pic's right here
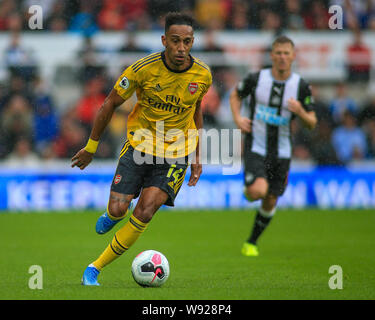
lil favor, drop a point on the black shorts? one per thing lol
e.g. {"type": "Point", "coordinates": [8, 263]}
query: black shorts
{"type": "Point", "coordinates": [131, 177]}
{"type": "Point", "coordinates": [275, 171]}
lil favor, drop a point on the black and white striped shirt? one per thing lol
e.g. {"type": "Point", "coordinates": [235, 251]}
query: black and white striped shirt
{"type": "Point", "coordinates": [271, 120]}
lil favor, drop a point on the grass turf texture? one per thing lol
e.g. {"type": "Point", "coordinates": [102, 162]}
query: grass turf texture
{"type": "Point", "coordinates": [203, 249]}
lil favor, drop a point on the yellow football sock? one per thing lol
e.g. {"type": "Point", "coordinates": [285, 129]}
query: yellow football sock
{"type": "Point", "coordinates": [113, 218]}
{"type": "Point", "coordinates": [121, 242]}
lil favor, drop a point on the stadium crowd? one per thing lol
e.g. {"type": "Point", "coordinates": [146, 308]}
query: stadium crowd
{"type": "Point", "coordinates": [33, 128]}
{"type": "Point", "coordinates": [89, 16]}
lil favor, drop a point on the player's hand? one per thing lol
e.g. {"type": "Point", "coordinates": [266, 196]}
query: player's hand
{"type": "Point", "coordinates": [244, 124]}
{"type": "Point", "coordinates": [196, 171]}
{"type": "Point", "coordinates": [294, 106]}
{"type": "Point", "coordinates": [82, 159]}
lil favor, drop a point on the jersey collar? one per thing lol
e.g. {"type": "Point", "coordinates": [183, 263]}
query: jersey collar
{"type": "Point", "coordinates": [177, 71]}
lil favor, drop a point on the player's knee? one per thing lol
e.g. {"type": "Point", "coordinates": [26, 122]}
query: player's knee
{"type": "Point", "coordinates": [117, 209]}
{"type": "Point", "coordinates": [256, 192]}
{"type": "Point", "coordinates": [144, 211]}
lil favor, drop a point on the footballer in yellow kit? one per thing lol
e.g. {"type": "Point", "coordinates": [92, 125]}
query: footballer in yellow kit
{"type": "Point", "coordinates": [165, 97]}
{"type": "Point", "coordinates": [169, 86]}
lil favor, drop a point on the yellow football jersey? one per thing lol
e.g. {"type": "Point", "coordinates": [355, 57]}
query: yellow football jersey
{"type": "Point", "coordinates": [162, 121]}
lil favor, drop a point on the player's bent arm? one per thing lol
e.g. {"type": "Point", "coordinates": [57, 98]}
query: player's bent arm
{"type": "Point", "coordinates": [105, 113]}
{"type": "Point", "coordinates": [308, 119]}
{"type": "Point", "coordinates": [235, 102]}
{"type": "Point", "coordinates": [84, 156]}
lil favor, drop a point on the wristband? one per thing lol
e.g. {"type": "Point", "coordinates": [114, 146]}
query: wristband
{"type": "Point", "coordinates": [91, 146]}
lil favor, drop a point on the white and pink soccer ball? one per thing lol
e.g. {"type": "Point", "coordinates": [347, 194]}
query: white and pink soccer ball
{"type": "Point", "coordinates": [150, 268]}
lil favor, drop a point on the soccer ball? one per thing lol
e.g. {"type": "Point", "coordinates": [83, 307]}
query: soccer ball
{"type": "Point", "coordinates": [150, 268]}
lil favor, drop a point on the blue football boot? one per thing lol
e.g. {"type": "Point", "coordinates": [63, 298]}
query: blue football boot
{"type": "Point", "coordinates": [105, 223]}
{"type": "Point", "coordinates": [90, 276]}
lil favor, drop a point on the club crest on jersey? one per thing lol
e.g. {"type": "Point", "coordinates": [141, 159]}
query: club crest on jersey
{"type": "Point", "coordinates": [193, 87]}
{"type": "Point", "coordinates": [124, 83]}
{"type": "Point", "coordinates": [117, 179]}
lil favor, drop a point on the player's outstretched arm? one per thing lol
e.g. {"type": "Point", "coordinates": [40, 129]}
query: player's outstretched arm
{"type": "Point", "coordinates": [242, 123]}
{"type": "Point", "coordinates": [196, 166]}
{"type": "Point", "coordinates": [84, 156]}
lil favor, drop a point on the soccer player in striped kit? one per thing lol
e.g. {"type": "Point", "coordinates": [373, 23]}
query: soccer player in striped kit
{"type": "Point", "coordinates": [277, 96]}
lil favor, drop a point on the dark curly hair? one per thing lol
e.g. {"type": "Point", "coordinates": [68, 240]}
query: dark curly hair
{"type": "Point", "coordinates": [178, 18]}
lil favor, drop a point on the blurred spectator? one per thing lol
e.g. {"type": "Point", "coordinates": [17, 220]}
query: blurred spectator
{"type": "Point", "coordinates": [301, 141]}
{"type": "Point", "coordinates": [158, 22]}
{"type": "Point", "coordinates": [370, 131]}
{"type": "Point", "coordinates": [317, 16]}
{"type": "Point", "coordinates": [119, 15]}
{"type": "Point", "coordinates": [6, 8]}
{"type": "Point", "coordinates": [57, 24]}
{"type": "Point", "coordinates": [271, 22]}
{"type": "Point", "coordinates": [211, 13]}
{"type": "Point", "coordinates": [316, 144]}
{"type": "Point", "coordinates": [22, 155]}
{"type": "Point", "coordinates": [16, 85]}
{"type": "Point", "coordinates": [19, 59]}
{"type": "Point", "coordinates": [349, 140]}
{"type": "Point", "coordinates": [88, 105]}
{"type": "Point", "coordinates": [134, 9]}
{"type": "Point", "coordinates": [368, 112]}
{"type": "Point", "coordinates": [15, 22]}
{"type": "Point", "coordinates": [358, 59]}
{"type": "Point", "coordinates": [72, 137]}
{"type": "Point", "coordinates": [88, 16]}
{"type": "Point", "coordinates": [131, 45]}
{"type": "Point", "coordinates": [209, 44]}
{"type": "Point", "coordinates": [90, 66]}
{"type": "Point", "coordinates": [112, 16]}
{"type": "Point", "coordinates": [45, 117]}
{"type": "Point", "coordinates": [356, 13]}
{"type": "Point", "coordinates": [215, 51]}
{"type": "Point", "coordinates": [371, 20]}
{"type": "Point", "coordinates": [228, 78]}
{"type": "Point", "coordinates": [320, 106]}
{"type": "Point", "coordinates": [57, 20]}
{"type": "Point", "coordinates": [257, 12]}
{"type": "Point", "coordinates": [210, 106]}
{"type": "Point", "coordinates": [158, 8]}
{"type": "Point", "coordinates": [293, 17]}
{"type": "Point", "coordinates": [321, 147]}
{"type": "Point", "coordinates": [84, 21]}
{"type": "Point", "coordinates": [239, 19]}
{"type": "Point", "coordinates": [16, 121]}
{"type": "Point", "coordinates": [342, 103]}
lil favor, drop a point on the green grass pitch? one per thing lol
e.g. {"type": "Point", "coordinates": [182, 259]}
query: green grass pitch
{"type": "Point", "coordinates": [203, 249]}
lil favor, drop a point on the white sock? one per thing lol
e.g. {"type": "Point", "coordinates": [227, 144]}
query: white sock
{"type": "Point", "coordinates": [267, 214]}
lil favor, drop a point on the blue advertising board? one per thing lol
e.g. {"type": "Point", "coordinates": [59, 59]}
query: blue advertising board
{"type": "Point", "coordinates": [57, 189]}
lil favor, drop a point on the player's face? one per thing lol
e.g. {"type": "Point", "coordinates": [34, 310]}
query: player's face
{"type": "Point", "coordinates": [178, 42]}
{"type": "Point", "coordinates": [282, 56]}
